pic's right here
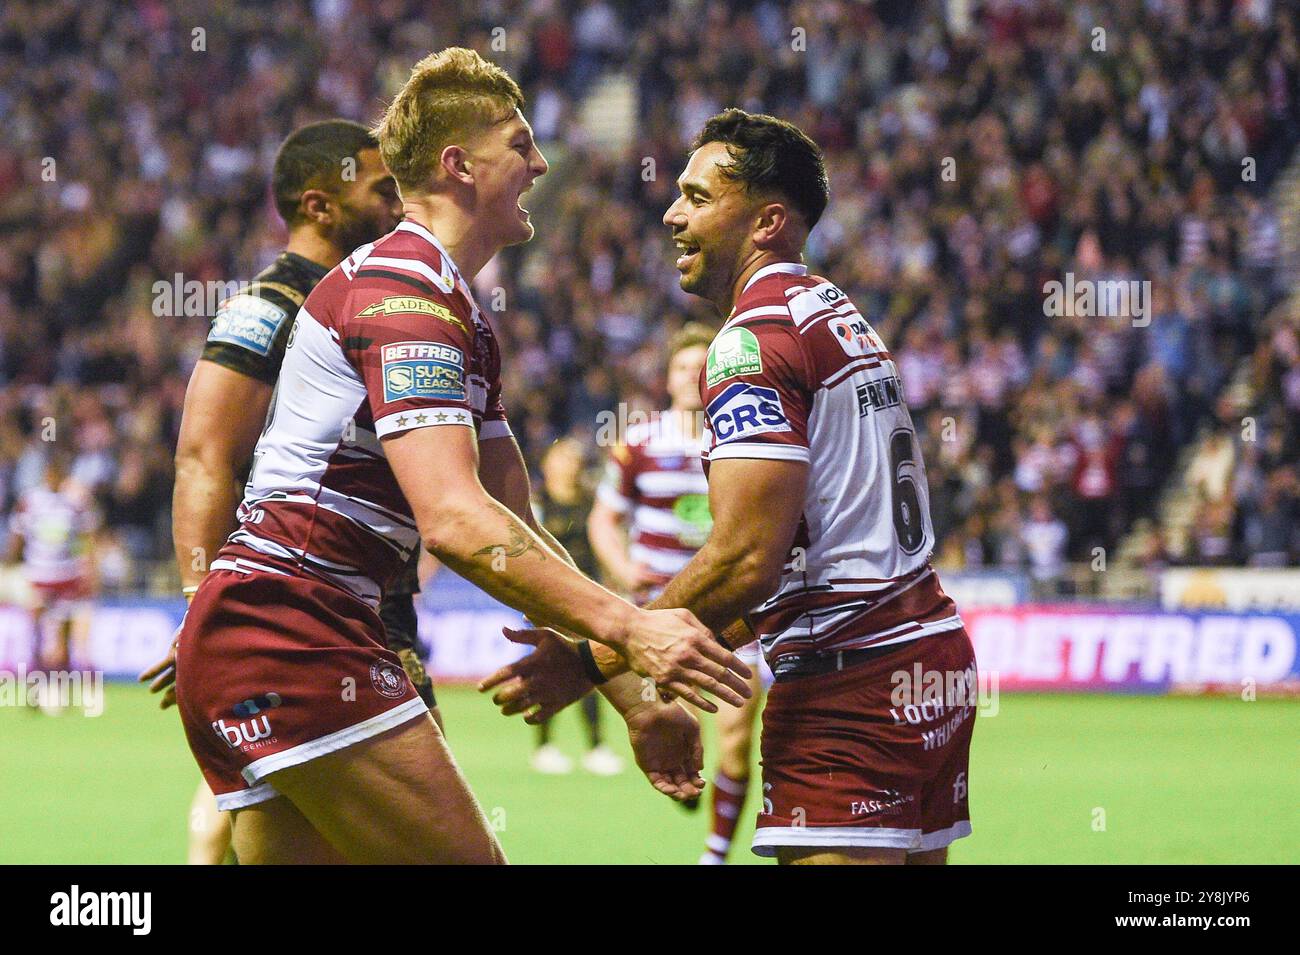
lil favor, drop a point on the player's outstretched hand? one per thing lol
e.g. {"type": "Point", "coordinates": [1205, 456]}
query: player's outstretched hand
{"type": "Point", "coordinates": [679, 654]}
{"type": "Point", "coordinates": [542, 683]}
{"type": "Point", "coordinates": [163, 674]}
{"type": "Point", "coordinates": [666, 742]}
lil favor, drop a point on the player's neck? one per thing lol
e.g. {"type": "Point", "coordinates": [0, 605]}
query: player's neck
{"type": "Point", "coordinates": [759, 259]}
{"type": "Point", "coordinates": [314, 247]}
{"type": "Point", "coordinates": [459, 234]}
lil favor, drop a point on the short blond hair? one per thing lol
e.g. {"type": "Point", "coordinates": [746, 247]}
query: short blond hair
{"type": "Point", "coordinates": [690, 335]}
{"type": "Point", "coordinates": [449, 94]}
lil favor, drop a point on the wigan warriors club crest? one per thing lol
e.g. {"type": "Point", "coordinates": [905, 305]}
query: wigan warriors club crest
{"type": "Point", "coordinates": [388, 679]}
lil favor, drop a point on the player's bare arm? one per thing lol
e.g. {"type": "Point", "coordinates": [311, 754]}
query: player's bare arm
{"type": "Point", "coordinates": [224, 414]}
{"type": "Point", "coordinates": [756, 506]}
{"type": "Point", "coordinates": [505, 477]}
{"type": "Point", "coordinates": [665, 738]}
{"type": "Point", "coordinates": [474, 534]}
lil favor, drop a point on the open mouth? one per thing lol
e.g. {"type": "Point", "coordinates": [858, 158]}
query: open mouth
{"type": "Point", "coordinates": [519, 204]}
{"type": "Point", "coordinates": [687, 252]}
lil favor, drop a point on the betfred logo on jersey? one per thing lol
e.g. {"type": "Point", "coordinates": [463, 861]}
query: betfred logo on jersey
{"type": "Point", "coordinates": [744, 411]}
{"type": "Point", "coordinates": [854, 335]}
{"type": "Point", "coordinates": [423, 370]}
{"type": "Point", "coordinates": [733, 353]}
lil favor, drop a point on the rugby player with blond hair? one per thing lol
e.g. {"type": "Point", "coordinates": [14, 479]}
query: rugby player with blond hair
{"type": "Point", "coordinates": [388, 434]}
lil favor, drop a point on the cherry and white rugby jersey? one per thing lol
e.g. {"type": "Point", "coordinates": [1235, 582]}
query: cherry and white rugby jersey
{"type": "Point", "coordinates": [657, 480]}
{"type": "Point", "coordinates": [390, 340]}
{"type": "Point", "coordinates": [55, 527]}
{"type": "Point", "coordinates": [797, 374]}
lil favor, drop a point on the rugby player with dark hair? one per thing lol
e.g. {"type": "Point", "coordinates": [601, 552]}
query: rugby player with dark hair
{"type": "Point", "coordinates": [821, 534]}
{"type": "Point", "coordinates": [334, 194]}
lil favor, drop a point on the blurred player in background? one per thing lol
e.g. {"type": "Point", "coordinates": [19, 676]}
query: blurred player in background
{"type": "Point", "coordinates": [651, 516]}
{"type": "Point", "coordinates": [52, 531]}
{"type": "Point", "coordinates": [334, 194]}
{"type": "Point", "coordinates": [822, 535]}
{"type": "Point", "coordinates": [562, 503]}
{"type": "Point", "coordinates": [387, 435]}
{"type": "Point", "coordinates": [652, 507]}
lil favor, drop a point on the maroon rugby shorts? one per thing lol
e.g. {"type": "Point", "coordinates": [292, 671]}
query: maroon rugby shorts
{"type": "Point", "coordinates": [853, 758]}
{"type": "Point", "coordinates": [275, 668]}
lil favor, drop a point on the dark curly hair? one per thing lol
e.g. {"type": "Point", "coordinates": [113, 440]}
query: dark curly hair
{"type": "Point", "coordinates": [770, 154]}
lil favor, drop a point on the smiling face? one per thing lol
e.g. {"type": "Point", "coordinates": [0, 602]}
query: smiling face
{"type": "Point", "coordinates": [711, 221]}
{"type": "Point", "coordinates": [504, 161]}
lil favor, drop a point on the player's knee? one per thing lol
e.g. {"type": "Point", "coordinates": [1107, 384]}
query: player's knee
{"type": "Point", "coordinates": [734, 742]}
{"type": "Point", "coordinates": [733, 761]}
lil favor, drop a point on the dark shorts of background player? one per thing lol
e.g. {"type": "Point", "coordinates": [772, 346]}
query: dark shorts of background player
{"type": "Point", "coordinates": [401, 626]}
{"type": "Point", "coordinates": [275, 668]}
{"type": "Point", "coordinates": [845, 767]}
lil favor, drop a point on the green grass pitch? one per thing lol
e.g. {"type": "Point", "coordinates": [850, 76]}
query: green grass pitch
{"type": "Point", "coordinates": [1091, 779]}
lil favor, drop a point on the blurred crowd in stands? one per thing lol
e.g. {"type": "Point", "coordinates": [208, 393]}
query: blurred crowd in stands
{"type": "Point", "coordinates": [976, 150]}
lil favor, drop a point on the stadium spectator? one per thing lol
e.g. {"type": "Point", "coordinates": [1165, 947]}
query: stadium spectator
{"type": "Point", "coordinates": [969, 166]}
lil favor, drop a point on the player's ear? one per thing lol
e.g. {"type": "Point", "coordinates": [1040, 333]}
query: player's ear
{"type": "Point", "coordinates": [456, 163]}
{"type": "Point", "coordinates": [315, 206]}
{"type": "Point", "coordinates": [772, 224]}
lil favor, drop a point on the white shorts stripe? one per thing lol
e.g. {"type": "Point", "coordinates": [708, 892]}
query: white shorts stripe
{"type": "Point", "coordinates": [768, 838]}
{"type": "Point", "coordinates": [242, 566]}
{"type": "Point", "coordinates": [243, 798]}
{"type": "Point", "coordinates": [257, 771]}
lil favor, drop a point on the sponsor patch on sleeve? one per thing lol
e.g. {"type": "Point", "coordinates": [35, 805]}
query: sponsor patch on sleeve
{"type": "Point", "coordinates": [854, 335]}
{"type": "Point", "coordinates": [247, 321]}
{"type": "Point", "coordinates": [423, 370]}
{"type": "Point", "coordinates": [744, 411]}
{"type": "Point", "coordinates": [412, 305]}
{"type": "Point", "coordinates": [733, 353]}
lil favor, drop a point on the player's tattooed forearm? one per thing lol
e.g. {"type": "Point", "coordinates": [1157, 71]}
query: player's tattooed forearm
{"type": "Point", "coordinates": [520, 543]}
